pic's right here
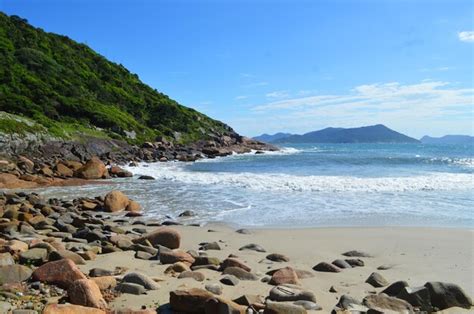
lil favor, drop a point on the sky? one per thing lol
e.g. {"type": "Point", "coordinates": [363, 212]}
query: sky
{"type": "Point", "coordinates": [288, 66]}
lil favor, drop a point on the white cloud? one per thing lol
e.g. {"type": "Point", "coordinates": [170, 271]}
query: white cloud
{"type": "Point", "coordinates": [421, 106]}
{"type": "Point", "coordinates": [278, 94]}
{"type": "Point", "coordinates": [466, 36]}
{"type": "Point", "coordinates": [257, 84]}
{"type": "Point", "coordinates": [241, 97]}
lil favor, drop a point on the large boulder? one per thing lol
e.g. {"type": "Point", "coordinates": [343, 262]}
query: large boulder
{"type": "Point", "coordinates": [445, 295]}
{"type": "Point", "coordinates": [63, 170]}
{"type": "Point", "coordinates": [61, 273]}
{"type": "Point", "coordinates": [115, 201]}
{"type": "Point", "coordinates": [291, 293]}
{"type": "Point", "coordinates": [116, 171]}
{"type": "Point", "coordinates": [70, 309]}
{"type": "Point", "coordinates": [189, 301]}
{"type": "Point", "coordinates": [171, 257]}
{"type": "Point", "coordinates": [14, 273]}
{"type": "Point", "coordinates": [93, 169]}
{"type": "Point", "coordinates": [164, 236]}
{"type": "Point", "coordinates": [283, 276]}
{"type": "Point", "coordinates": [85, 292]}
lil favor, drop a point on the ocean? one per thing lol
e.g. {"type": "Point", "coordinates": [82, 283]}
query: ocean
{"type": "Point", "coordinates": [309, 185]}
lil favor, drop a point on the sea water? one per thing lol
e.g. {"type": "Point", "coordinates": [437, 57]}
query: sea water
{"type": "Point", "coordinates": [310, 185]}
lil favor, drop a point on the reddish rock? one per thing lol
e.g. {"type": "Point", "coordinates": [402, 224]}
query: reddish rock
{"type": "Point", "coordinates": [192, 300]}
{"type": "Point", "coordinates": [133, 207]}
{"type": "Point", "coordinates": [74, 165]}
{"type": "Point", "coordinates": [232, 262]}
{"type": "Point", "coordinates": [93, 169]}
{"type": "Point", "coordinates": [171, 257]}
{"type": "Point", "coordinates": [162, 236]}
{"type": "Point", "coordinates": [11, 181]}
{"type": "Point", "coordinates": [61, 273]}
{"type": "Point", "coordinates": [46, 171]}
{"type": "Point", "coordinates": [286, 275]}
{"type": "Point", "coordinates": [105, 282]}
{"type": "Point", "coordinates": [25, 164]}
{"type": "Point", "coordinates": [63, 170]}
{"type": "Point", "coordinates": [85, 292]}
{"type": "Point", "coordinates": [119, 172]}
{"type": "Point", "coordinates": [70, 309]}
{"type": "Point", "coordinates": [115, 201]}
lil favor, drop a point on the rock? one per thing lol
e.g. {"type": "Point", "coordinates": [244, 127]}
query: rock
{"type": "Point", "coordinates": [205, 260]}
{"type": "Point", "coordinates": [253, 247]}
{"type": "Point", "coordinates": [62, 254]}
{"type": "Point", "coordinates": [85, 292]}
{"type": "Point", "coordinates": [446, 295]}
{"type": "Point", "coordinates": [377, 280]}
{"type": "Point", "coordinates": [115, 201]}
{"type": "Point", "coordinates": [232, 262]}
{"type": "Point", "coordinates": [93, 169]}
{"type": "Point", "coordinates": [211, 246]}
{"type": "Point", "coordinates": [286, 275]}
{"type": "Point", "coordinates": [178, 267]}
{"type": "Point", "coordinates": [291, 293]}
{"type": "Point", "coordinates": [348, 303]}
{"type": "Point", "coordinates": [240, 273]}
{"type": "Point", "coordinates": [141, 279]}
{"type": "Point", "coordinates": [116, 171]}
{"type": "Point", "coordinates": [70, 309]}
{"type": "Point", "coordinates": [418, 297]}
{"type": "Point", "coordinates": [6, 259]}
{"type": "Point", "coordinates": [230, 280]}
{"type": "Point", "coordinates": [385, 266]}
{"type": "Point", "coordinates": [131, 288]}
{"type": "Point", "coordinates": [187, 213]}
{"type": "Point", "coordinates": [171, 257]}
{"type": "Point", "coordinates": [14, 273]}
{"type": "Point", "coordinates": [63, 170]}
{"type": "Point", "coordinates": [34, 256]}
{"type": "Point", "coordinates": [275, 257]}
{"type": "Point", "coordinates": [355, 262]}
{"type": "Point", "coordinates": [326, 267]}
{"type": "Point", "coordinates": [302, 274]}
{"type": "Point", "coordinates": [192, 274]}
{"type": "Point", "coordinates": [249, 299]}
{"type": "Point", "coordinates": [99, 272]}
{"type": "Point", "coordinates": [143, 255]}
{"type": "Point", "coordinates": [61, 273]}
{"type": "Point", "coordinates": [281, 307]}
{"type": "Point", "coordinates": [395, 288]}
{"type": "Point", "coordinates": [105, 282]}
{"type": "Point", "coordinates": [146, 178]}
{"type": "Point", "coordinates": [355, 253]}
{"type": "Point", "coordinates": [25, 164]}
{"type": "Point", "coordinates": [308, 305]}
{"type": "Point", "coordinates": [333, 289]}
{"type": "Point", "coordinates": [221, 305]}
{"type": "Point", "coordinates": [214, 288]}
{"type": "Point", "coordinates": [243, 231]}
{"type": "Point", "coordinates": [382, 303]}
{"type": "Point", "coordinates": [192, 300]}
{"type": "Point", "coordinates": [133, 207]}
{"type": "Point", "coordinates": [164, 236]}
{"type": "Point", "coordinates": [341, 264]}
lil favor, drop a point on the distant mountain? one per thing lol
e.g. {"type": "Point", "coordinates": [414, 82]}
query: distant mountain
{"type": "Point", "coordinates": [367, 134]}
{"type": "Point", "coordinates": [267, 138]}
{"type": "Point", "coordinates": [448, 139]}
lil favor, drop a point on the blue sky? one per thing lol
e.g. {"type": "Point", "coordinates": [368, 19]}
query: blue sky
{"type": "Point", "coordinates": [293, 66]}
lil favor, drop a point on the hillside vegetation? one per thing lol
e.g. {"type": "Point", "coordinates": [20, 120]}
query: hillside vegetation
{"type": "Point", "coordinates": [71, 90]}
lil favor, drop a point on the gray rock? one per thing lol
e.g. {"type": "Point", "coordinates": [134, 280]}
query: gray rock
{"type": "Point", "coordinates": [395, 288]}
{"type": "Point", "coordinates": [253, 247]}
{"type": "Point", "coordinates": [346, 302]}
{"type": "Point", "coordinates": [308, 305]}
{"type": "Point", "coordinates": [249, 299]}
{"type": "Point", "coordinates": [34, 256]}
{"type": "Point", "coordinates": [6, 259]}
{"type": "Point", "coordinates": [282, 307]}
{"type": "Point", "coordinates": [356, 253]}
{"type": "Point", "coordinates": [211, 246]}
{"type": "Point", "coordinates": [99, 272]}
{"type": "Point", "coordinates": [275, 257]}
{"type": "Point", "coordinates": [326, 267]}
{"type": "Point", "coordinates": [418, 297]}
{"type": "Point", "coordinates": [187, 213]}
{"type": "Point", "coordinates": [230, 280]}
{"type": "Point", "coordinates": [14, 273]}
{"type": "Point", "coordinates": [192, 274]}
{"type": "Point", "coordinates": [291, 293]}
{"type": "Point", "coordinates": [214, 288]}
{"type": "Point", "coordinates": [355, 262]}
{"type": "Point", "coordinates": [131, 288]}
{"type": "Point", "coordinates": [140, 279]}
{"type": "Point", "coordinates": [341, 263]}
{"type": "Point", "coordinates": [143, 255]}
{"type": "Point", "coordinates": [240, 273]}
{"type": "Point", "coordinates": [446, 295]}
{"type": "Point", "coordinates": [382, 303]}
{"type": "Point", "coordinates": [243, 231]}
{"type": "Point", "coordinates": [377, 281]}
{"type": "Point", "coordinates": [385, 266]}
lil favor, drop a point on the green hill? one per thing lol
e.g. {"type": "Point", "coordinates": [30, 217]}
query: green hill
{"type": "Point", "coordinates": [72, 91]}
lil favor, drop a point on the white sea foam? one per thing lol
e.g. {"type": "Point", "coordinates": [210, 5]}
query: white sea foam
{"type": "Point", "coordinates": [285, 182]}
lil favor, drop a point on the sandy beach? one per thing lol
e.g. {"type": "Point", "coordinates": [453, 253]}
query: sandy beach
{"type": "Point", "coordinates": [416, 255]}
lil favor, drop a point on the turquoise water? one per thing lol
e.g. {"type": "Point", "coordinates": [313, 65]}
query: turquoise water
{"type": "Point", "coordinates": [315, 185]}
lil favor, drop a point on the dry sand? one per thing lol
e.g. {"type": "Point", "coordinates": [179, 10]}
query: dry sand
{"type": "Point", "coordinates": [418, 255]}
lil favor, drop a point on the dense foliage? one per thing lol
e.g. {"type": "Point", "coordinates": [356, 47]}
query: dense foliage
{"type": "Point", "coordinates": [66, 86]}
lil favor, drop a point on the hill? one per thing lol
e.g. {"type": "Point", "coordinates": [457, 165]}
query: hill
{"type": "Point", "coordinates": [268, 138]}
{"type": "Point", "coordinates": [72, 91]}
{"type": "Point", "coordinates": [448, 139]}
{"type": "Point", "coordinates": [368, 134]}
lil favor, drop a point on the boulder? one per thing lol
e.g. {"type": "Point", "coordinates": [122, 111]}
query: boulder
{"type": "Point", "coordinates": [62, 254]}
{"type": "Point", "coordinates": [291, 293]}
{"type": "Point", "coordinates": [283, 307]}
{"type": "Point", "coordinates": [326, 267]}
{"type": "Point", "coordinates": [115, 201]}
{"type": "Point", "coordinates": [93, 169]}
{"type": "Point", "coordinates": [221, 305]}
{"type": "Point", "coordinates": [63, 170]}
{"type": "Point", "coordinates": [286, 275]}
{"type": "Point", "coordinates": [141, 279]}
{"type": "Point", "coordinates": [116, 171]}
{"type": "Point", "coordinates": [445, 295]}
{"type": "Point", "coordinates": [70, 309]}
{"type": "Point", "coordinates": [418, 297]}
{"type": "Point", "coordinates": [14, 273]}
{"type": "Point", "coordinates": [131, 288]}
{"type": "Point", "coordinates": [174, 256]}
{"type": "Point", "coordinates": [214, 288]}
{"type": "Point", "coordinates": [192, 300]}
{"type": "Point", "coordinates": [275, 257]}
{"type": "Point", "coordinates": [395, 288]}
{"type": "Point", "coordinates": [61, 273]}
{"type": "Point", "coordinates": [35, 256]}
{"type": "Point", "coordinates": [230, 280]}
{"type": "Point", "coordinates": [133, 207]}
{"type": "Point", "coordinates": [192, 274]}
{"type": "Point", "coordinates": [341, 264]}
{"type": "Point", "coordinates": [6, 259]}
{"type": "Point", "coordinates": [253, 247]}
{"type": "Point", "coordinates": [105, 282]}
{"type": "Point", "coordinates": [356, 253]}
{"type": "Point", "coordinates": [382, 303]}
{"type": "Point", "coordinates": [177, 268]}
{"type": "Point", "coordinates": [377, 281]}
{"type": "Point", "coordinates": [85, 292]}
{"type": "Point", "coordinates": [240, 273]}
{"type": "Point", "coordinates": [164, 236]}
{"type": "Point", "coordinates": [232, 262]}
